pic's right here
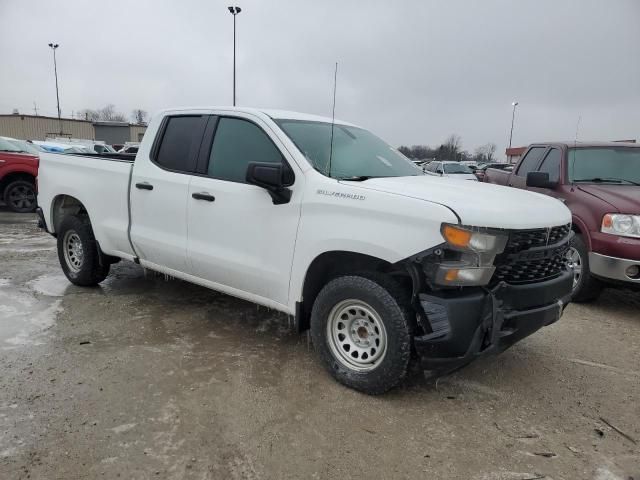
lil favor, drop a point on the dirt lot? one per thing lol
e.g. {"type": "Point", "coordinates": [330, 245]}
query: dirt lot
{"type": "Point", "coordinates": [145, 377]}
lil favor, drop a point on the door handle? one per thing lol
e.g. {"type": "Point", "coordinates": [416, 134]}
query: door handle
{"type": "Point", "coordinates": [144, 186]}
{"type": "Point", "coordinates": [203, 196]}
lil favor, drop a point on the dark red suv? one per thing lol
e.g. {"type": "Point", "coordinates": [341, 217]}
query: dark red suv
{"type": "Point", "coordinates": [18, 172]}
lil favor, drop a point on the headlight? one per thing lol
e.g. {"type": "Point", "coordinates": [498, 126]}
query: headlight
{"type": "Point", "coordinates": [621, 224]}
{"type": "Point", "coordinates": [470, 253]}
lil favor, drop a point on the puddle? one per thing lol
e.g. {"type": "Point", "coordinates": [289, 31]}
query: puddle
{"type": "Point", "coordinates": [23, 316]}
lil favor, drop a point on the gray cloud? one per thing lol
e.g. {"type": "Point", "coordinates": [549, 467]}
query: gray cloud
{"type": "Point", "coordinates": [412, 71]}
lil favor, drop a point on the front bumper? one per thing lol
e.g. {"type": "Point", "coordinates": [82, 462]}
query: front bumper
{"type": "Point", "coordinates": [468, 323]}
{"type": "Point", "coordinates": [612, 268]}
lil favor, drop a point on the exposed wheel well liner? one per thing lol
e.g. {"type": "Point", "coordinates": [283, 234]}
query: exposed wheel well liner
{"type": "Point", "coordinates": [329, 265]}
{"type": "Point", "coordinates": [63, 206]}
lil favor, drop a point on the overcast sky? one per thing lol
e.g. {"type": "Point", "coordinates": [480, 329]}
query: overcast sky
{"type": "Point", "coordinates": [413, 71]}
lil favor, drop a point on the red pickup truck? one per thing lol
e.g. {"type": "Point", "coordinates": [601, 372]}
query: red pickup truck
{"type": "Point", "coordinates": [18, 172]}
{"type": "Point", "coordinates": [600, 183]}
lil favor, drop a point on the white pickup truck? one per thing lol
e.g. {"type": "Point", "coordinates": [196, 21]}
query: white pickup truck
{"type": "Point", "coordinates": [323, 221]}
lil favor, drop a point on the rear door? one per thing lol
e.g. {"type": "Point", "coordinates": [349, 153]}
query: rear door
{"type": "Point", "coordinates": [238, 238]}
{"type": "Point", "coordinates": [529, 163]}
{"type": "Point", "coordinates": [159, 191]}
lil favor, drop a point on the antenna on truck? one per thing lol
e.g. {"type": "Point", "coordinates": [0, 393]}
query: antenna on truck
{"type": "Point", "coordinates": [333, 116]}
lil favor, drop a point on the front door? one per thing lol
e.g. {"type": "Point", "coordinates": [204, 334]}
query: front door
{"type": "Point", "coordinates": [237, 237]}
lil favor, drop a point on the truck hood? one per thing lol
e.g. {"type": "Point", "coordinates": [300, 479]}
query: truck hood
{"type": "Point", "coordinates": [477, 204]}
{"type": "Point", "coordinates": [622, 198]}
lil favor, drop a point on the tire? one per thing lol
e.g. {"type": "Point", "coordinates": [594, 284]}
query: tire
{"type": "Point", "coordinates": [78, 252]}
{"type": "Point", "coordinates": [20, 196]}
{"type": "Point", "coordinates": [586, 288]}
{"type": "Point", "coordinates": [373, 311]}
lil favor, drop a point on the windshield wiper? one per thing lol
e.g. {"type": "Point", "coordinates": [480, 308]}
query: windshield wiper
{"type": "Point", "coordinates": [606, 180]}
{"type": "Point", "coordinates": [357, 178]}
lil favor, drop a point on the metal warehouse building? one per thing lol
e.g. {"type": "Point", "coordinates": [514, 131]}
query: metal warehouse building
{"type": "Point", "coordinates": [31, 127]}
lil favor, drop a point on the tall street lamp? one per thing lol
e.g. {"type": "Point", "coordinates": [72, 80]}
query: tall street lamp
{"type": "Point", "coordinates": [54, 47]}
{"type": "Point", "coordinates": [513, 116]}
{"type": "Point", "coordinates": [234, 11]}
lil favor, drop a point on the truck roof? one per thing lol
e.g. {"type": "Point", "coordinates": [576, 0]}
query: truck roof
{"type": "Point", "coordinates": [272, 113]}
{"type": "Point", "coordinates": [584, 144]}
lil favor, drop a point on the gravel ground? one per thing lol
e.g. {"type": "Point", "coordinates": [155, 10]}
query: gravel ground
{"type": "Point", "coordinates": [147, 377]}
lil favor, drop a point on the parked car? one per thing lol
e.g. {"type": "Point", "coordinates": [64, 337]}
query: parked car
{"type": "Point", "coordinates": [381, 262]}
{"type": "Point", "coordinates": [600, 183]}
{"type": "Point", "coordinates": [450, 169]}
{"type": "Point", "coordinates": [24, 146]}
{"type": "Point", "coordinates": [129, 149]}
{"type": "Point", "coordinates": [102, 148]}
{"type": "Point", "coordinates": [18, 172]}
{"type": "Point", "coordinates": [480, 171]}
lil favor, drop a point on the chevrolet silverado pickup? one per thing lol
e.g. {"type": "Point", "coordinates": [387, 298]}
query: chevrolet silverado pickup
{"type": "Point", "coordinates": [325, 222]}
{"type": "Point", "coordinates": [600, 183]}
{"type": "Point", "coordinates": [18, 172]}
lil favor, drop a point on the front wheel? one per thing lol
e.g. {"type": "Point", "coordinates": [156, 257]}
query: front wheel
{"type": "Point", "coordinates": [361, 329]}
{"type": "Point", "coordinates": [585, 287]}
{"type": "Point", "coordinates": [80, 258]}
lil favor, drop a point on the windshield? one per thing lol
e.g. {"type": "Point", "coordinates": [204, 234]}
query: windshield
{"type": "Point", "coordinates": [26, 146]}
{"type": "Point", "coordinates": [605, 165]}
{"type": "Point", "coordinates": [7, 146]}
{"type": "Point", "coordinates": [456, 168]}
{"type": "Point", "coordinates": [356, 152]}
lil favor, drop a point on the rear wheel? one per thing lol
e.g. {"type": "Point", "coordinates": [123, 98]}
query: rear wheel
{"type": "Point", "coordinates": [20, 196]}
{"type": "Point", "coordinates": [361, 329]}
{"type": "Point", "coordinates": [585, 287]}
{"type": "Point", "coordinates": [78, 253]}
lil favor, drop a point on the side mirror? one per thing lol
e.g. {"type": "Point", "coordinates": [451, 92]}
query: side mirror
{"type": "Point", "coordinates": [540, 180]}
{"type": "Point", "coordinates": [273, 177]}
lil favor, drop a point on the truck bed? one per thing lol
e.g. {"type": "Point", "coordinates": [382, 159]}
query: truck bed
{"type": "Point", "coordinates": [497, 176]}
{"type": "Point", "coordinates": [100, 183]}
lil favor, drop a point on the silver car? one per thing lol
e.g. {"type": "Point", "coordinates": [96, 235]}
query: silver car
{"type": "Point", "coordinates": [450, 169]}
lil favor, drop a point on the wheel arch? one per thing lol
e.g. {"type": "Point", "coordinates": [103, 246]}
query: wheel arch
{"type": "Point", "coordinates": [62, 206]}
{"type": "Point", "coordinates": [329, 265]}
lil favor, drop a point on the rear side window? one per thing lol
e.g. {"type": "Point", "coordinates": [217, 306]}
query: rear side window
{"type": "Point", "coordinates": [551, 164]}
{"type": "Point", "coordinates": [180, 142]}
{"type": "Point", "coordinates": [530, 161]}
{"type": "Point", "coordinates": [236, 143]}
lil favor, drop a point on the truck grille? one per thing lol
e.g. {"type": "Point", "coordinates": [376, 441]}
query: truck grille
{"type": "Point", "coordinates": [533, 255]}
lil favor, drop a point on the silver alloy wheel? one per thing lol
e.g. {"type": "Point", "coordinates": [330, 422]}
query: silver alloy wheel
{"type": "Point", "coordinates": [73, 251]}
{"type": "Point", "coordinates": [21, 197]}
{"type": "Point", "coordinates": [356, 335]}
{"type": "Point", "coordinates": [575, 262]}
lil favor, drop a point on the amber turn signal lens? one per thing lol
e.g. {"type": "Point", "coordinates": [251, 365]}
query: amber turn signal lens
{"type": "Point", "coordinates": [457, 237]}
{"type": "Point", "coordinates": [607, 222]}
{"type": "Point", "coordinates": [451, 275]}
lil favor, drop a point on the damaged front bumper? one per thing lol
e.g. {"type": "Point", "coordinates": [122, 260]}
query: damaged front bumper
{"type": "Point", "coordinates": [470, 322]}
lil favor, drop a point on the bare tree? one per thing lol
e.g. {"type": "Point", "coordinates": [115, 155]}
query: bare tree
{"type": "Point", "coordinates": [89, 114]}
{"type": "Point", "coordinates": [486, 153]}
{"type": "Point", "coordinates": [450, 149]}
{"type": "Point", "coordinates": [139, 116]}
{"type": "Point", "coordinates": [108, 113]}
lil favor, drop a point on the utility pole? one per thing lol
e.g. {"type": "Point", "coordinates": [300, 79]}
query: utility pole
{"type": "Point", "coordinates": [35, 108]}
{"type": "Point", "coordinates": [234, 11]}
{"type": "Point", "coordinates": [54, 47]}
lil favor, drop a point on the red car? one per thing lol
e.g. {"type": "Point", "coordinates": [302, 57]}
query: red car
{"type": "Point", "coordinates": [600, 183]}
{"type": "Point", "coordinates": [18, 172]}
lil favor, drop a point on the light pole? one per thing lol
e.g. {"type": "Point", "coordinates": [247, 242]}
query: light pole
{"type": "Point", "coordinates": [234, 11]}
{"type": "Point", "coordinates": [54, 46]}
{"type": "Point", "coordinates": [513, 116]}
